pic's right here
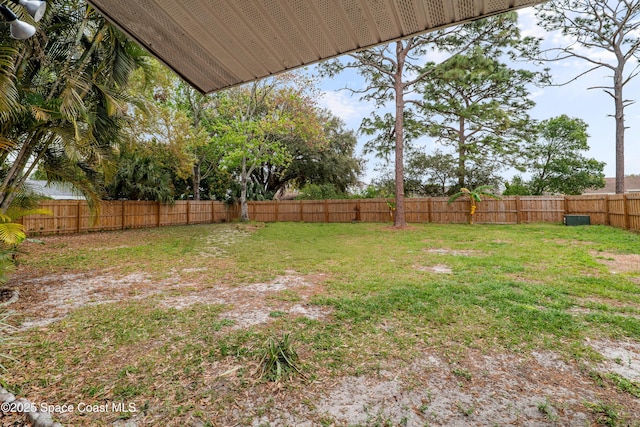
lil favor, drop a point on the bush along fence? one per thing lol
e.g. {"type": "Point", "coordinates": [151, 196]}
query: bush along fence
{"type": "Point", "coordinates": [75, 217]}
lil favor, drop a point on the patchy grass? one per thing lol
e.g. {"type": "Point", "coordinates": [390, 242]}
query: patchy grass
{"type": "Point", "coordinates": [508, 289]}
{"type": "Point", "coordinates": [617, 380]}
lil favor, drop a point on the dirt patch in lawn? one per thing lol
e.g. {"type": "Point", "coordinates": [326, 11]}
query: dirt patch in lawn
{"type": "Point", "coordinates": [438, 269]}
{"type": "Point", "coordinates": [454, 252]}
{"type": "Point", "coordinates": [46, 299]}
{"type": "Point", "coordinates": [259, 302]}
{"type": "Point", "coordinates": [567, 242]}
{"type": "Point", "coordinates": [50, 298]}
{"type": "Point", "coordinates": [619, 263]}
{"type": "Point", "coordinates": [479, 389]}
{"type": "Point", "coordinates": [620, 357]}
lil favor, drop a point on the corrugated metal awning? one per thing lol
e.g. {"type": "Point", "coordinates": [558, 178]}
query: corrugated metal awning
{"type": "Point", "coordinates": [216, 44]}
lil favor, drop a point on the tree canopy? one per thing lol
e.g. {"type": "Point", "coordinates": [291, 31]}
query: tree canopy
{"type": "Point", "coordinates": [479, 106]}
{"type": "Point", "coordinates": [64, 100]}
{"type": "Point", "coordinates": [393, 72]}
{"type": "Point", "coordinates": [557, 162]}
{"type": "Point", "coordinates": [596, 27]}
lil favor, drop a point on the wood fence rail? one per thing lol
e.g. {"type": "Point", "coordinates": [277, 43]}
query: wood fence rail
{"type": "Point", "coordinates": [75, 217]}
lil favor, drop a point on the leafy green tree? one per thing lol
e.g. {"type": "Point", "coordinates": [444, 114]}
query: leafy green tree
{"type": "Point", "coordinates": [205, 154]}
{"type": "Point", "coordinates": [320, 192]}
{"type": "Point", "coordinates": [436, 172]}
{"type": "Point", "coordinates": [247, 147]}
{"type": "Point", "coordinates": [517, 187]}
{"type": "Point", "coordinates": [436, 175]}
{"type": "Point", "coordinates": [153, 158]}
{"type": "Point", "coordinates": [254, 121]}
{"type": "Point", "coordinates": [64, 100]}
{"type": "Point", "coordinates": [333, 163]}
{"type": "Point", "coordinates": [479, 106]}
{"type": "Point", "coordinates": [393, 71]}
{"type": "Point", "coordinates": [604, 34]}
{"type": "Point", "coordinates": [171, 119]}
{"type": "Point", "coordinates": [142, 175]}
{"type": "Point", "coordinates": [557, 162]}
{"type": "Point", "coordinates": [481, 173]}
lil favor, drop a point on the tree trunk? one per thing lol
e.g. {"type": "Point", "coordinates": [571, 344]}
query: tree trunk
{"type": "Point", "coordinates": [244, 178]}
{"type": "Point", "coordinates": [399, 219]}
{"type": "Point", "coordinates": [619, 116]}
{"type": "Point", "coordinates": [462, 155]}
{"type": "Point", "coordinates": [196, 180]}
{"type": "Point", "coordinates": [9, 187]}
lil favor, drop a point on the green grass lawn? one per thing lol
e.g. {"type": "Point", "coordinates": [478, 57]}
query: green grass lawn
{"type": "Point", "coordinates": [390, 293]}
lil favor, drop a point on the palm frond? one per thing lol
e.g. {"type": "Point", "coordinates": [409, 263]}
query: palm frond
{"type": "Point", "coordinates": [455, 197]}
{"type": "Point", "coordinates": [463, 192]}
{"type": "Point", "coordinates": [11, 233]}
{"type": "Point", "coordinates": [491, 195]}
{"type": "Point", "coordinates": [40, 114]}
{"type": "Point", "coordinates": [8, 91]}
{"type": "Point", "coordinates": [482, 188]}
{"type": "Point", "coordinates": [6, 144]}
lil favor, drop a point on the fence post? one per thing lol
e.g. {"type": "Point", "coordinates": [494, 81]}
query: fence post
{"type": "Point", "coordinates": [122, 212]}
{"type": "Point", "coordinates": [213, 211]}
{"type": "Point", "coordinates": [565, 206]}
{"type": "Point", "coordinates": [78, 217]}
{"type": "Point", "coordinates": [158, 210]}
{"type": "Point", "coordinates": [607, 220]}
{"type": "Point", "coordinates": [188, 212]}
{"type": "Point", "coordinates": [277, 203]}
{"type": "Point", "coordinates": [326, 211]}
{"type": "Point", "coordinates": [625, 210]}
{"type": "Point", "coordinates": [518, 210]}
{"type": "Point", "coordinates": [301, 210]}
{"type": "Point", "coordinates": [358, 215]}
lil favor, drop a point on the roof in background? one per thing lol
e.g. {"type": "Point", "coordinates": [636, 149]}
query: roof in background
{"type": "Point", "coordinates": [631, 185]}
{"type": "Point", "coordinates": [216, 44]}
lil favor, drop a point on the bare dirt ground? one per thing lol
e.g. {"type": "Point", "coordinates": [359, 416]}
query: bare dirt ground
{"type": "Point", "coordinates": [478, 389]}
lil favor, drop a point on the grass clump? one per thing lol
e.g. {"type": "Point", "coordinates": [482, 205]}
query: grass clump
{"type": "Point", "coordinates": [462, 373]}
{"type": "Point", "coordinates": [279, 360]}
{"type": "Point", "coordinates": [606, 413]}
{"type": "Point", "coordinates": [547, 409]}
{"type": "Point", "coordinates": [618, 381]}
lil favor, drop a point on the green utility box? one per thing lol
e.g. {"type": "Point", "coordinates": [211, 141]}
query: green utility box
{"type": "Point", "coordinates": [577, 220]}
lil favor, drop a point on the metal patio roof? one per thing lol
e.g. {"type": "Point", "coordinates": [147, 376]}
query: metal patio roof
{"type": "Point", "coordinates": [216, 44]}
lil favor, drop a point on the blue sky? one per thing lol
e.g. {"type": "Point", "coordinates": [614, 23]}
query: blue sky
{"type": "Point", "coordinates": [575, 99]}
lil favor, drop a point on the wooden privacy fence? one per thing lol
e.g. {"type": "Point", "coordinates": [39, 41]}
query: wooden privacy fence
{"type": "Point", "coordinates": [74, 216]}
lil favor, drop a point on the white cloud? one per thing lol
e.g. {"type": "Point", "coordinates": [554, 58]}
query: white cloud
{"type": "Point", "coordinates": [343, 105]}
{"type": "Point", "coordinates": [527, 23]}
{"type": "Point", "coordinates": [536, 93]}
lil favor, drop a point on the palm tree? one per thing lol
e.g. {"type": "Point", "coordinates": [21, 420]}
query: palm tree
{"type": "Point", "coordinates": [63, 99]}
{"type": "Point", "coordinates": [12, 234]}
{"type": "Point", "coordinates": [474, 197]}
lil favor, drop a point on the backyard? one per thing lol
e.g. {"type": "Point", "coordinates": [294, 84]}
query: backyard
{"type": "Point", "coordinates": [432, 325]}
